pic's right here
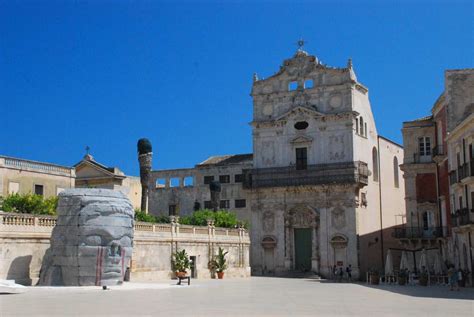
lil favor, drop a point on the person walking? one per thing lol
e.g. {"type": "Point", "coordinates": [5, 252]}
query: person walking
{"type": "Point", "coordinates": [334, 272]}
{"type": "Point", "coordinates": [341, 274]}
{"type": "Point", "coordinates": [453, 278]}
{"type": "Point", "coordinates": [349, 272]}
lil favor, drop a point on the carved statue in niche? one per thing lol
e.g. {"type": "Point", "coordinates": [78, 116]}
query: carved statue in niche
{"type": "Point", "coordinates": [268, 221]}
{"type": "Point", "coordinates": [338, 218]}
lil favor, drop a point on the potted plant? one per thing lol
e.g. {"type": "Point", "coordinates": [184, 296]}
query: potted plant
{"type": "Point", "coordinates": [374, 277]}
{"type": "Point", "coordinates": [402, 277]}
{"type": "Point", "coordinates": [221, 263]}
{"type": "Point", "coordinates": [181, 263]}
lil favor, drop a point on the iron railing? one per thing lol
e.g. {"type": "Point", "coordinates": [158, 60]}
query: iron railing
{"type": "Point", "coordinates": [420, 159]}
{"type": "Point", "coordinates": [339, 173]}
{"type": "Point", "coordinates": [439, 150]}
{"type": "Point", "coordinates": [461, 217]}
{"type": "Point", "coordinates": [419, 232]}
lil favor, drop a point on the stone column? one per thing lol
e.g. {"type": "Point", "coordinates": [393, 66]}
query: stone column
{"type": "Point", "coordinates": [145, 156]}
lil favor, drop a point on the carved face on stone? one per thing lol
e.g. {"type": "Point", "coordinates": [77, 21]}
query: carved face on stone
{"type": "Point", "coordinates": [92, 241]}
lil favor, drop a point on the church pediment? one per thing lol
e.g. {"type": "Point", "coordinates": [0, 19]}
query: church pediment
{"type": "Point", "coordinates": [86, 170]}
{"type": "Point", "coordinates": [301, 139]}
{"type": "Point", "coordinates": [302, 112]}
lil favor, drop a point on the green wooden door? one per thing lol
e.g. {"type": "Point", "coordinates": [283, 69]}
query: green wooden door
{"type": "Point", "coordinates": [303, 249]}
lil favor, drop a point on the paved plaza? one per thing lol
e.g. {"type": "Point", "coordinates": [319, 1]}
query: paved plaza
{"type": "Point", "coordinates": [256, 296]}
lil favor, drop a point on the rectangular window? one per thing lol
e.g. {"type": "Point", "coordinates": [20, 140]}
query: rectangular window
{"type": "Point", "coordinates": [39, 190]}
{"type": "Point", "coordinates": [207, 204]}
{"type": "Point", "coordinates": [188, 181]}
{"type": "Point", "coordinates": [174, 182]}
{"type": "Point", "coordinates": [208, 179]}
{"type": "Point", "coordinates": [239, 178]}
{"type": "Point", "coordinates": [172, 210]}
{"type": "Point", "coordinates": [240, 203]}
{"type": "Point", "coordinates": [13, 188]}
{"type": "Point", "coordinates": [224, 179]}
{"type": "Point", "coordinates": [301, 158]}
{"type": "Point", "coordinates": [224, 204]}
{"type": "Point", "coordinates": [160, 183]}
{"type": "Point", "coordinates": [424, 145]}
{"type": "Point", "coordinates": [293, 86]}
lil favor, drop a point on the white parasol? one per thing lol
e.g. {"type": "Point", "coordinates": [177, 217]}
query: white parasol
{"type": "Point", "coordinates": [389, 263]}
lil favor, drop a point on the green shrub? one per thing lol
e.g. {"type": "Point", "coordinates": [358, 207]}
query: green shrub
{"type": "Point", "coordinates": [29, 204]}
{"type": "Point", "coordinates": [142, 216]}
{"type": "Point", "coordinates": [222, 218]}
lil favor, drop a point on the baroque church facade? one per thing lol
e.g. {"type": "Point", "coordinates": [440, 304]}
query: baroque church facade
{"type": "Point", "coordinates": [322, 188]}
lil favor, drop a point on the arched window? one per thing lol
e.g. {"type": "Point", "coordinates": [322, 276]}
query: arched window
{"type": "Point", "coordinates": [361, 129]}
{"type": "Point", "coordinates": [375, 165]}
{"type": "Point", "coordinates": [395, 172]}
{"type": "Point", "coordinates": [357, 125]}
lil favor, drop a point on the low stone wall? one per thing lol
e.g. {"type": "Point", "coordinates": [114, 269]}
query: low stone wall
{"type": "Point", "coordinates": [24, 240]}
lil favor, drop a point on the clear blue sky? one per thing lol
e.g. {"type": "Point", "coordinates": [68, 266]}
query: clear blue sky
{"type": "Point", "coordinates": [105, 73]}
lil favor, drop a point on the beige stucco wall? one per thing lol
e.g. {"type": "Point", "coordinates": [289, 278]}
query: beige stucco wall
{"type": "Point", "coordinates": [29, 173]}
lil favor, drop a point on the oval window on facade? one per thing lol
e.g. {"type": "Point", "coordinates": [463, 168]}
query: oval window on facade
{"type": "Point", "coordinates": [301, 125]}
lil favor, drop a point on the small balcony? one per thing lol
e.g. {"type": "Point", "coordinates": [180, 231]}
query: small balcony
{"type": "Point", "coordinates": [420, 233]}
{"type": "Point", "coordinates": [336, 173]}
{"type": "Point", "coordinates": [467, 170]}
{"type": "Point", "coordinates": [453, 177]}
{"type": "Point", "coordinates": [461, 217]}
{"type": "Point", "coordinates": [439, 151]}
{"type": "Point", "coordinates": [422, 159]}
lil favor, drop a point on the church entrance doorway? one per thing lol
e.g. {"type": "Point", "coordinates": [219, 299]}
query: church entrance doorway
{"type": "Point", "coordinates": [303, 249]}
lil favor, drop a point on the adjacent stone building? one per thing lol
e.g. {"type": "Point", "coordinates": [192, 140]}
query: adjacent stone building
{"type": "Point", "coordinates": [321, 189]}
{"type": "Point", "coordinates": [25, 176]}
{"type": "Point", "coordinates": [181, 191]}
{"type": "Point", "coordinates": [439, 177]}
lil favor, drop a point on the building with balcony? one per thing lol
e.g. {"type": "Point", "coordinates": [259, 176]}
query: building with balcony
{"type": "Point", "coordinates": [32, 177]}
{"type": "Point", "coordinates": [459, 91]}
{"type": "Point", "coordinates": [321, 188]}
{"type": "Point", "coordinates": [439, 175]}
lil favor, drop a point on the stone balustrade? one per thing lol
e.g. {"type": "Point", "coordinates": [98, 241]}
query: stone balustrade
{"type": "Point", "coordinates": [24, 239]}
{"type": "Point", "coordinates": [15, 219]}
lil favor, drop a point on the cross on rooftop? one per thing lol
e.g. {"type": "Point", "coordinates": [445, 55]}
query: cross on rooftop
{"type": "Point", "coordinates": [300, 43]}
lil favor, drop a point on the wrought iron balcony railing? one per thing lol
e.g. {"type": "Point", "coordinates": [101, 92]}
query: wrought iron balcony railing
{"type": "Point", "coordinates": [336, 173]}
{"type": "Point", "coordinates": [420, 233]}
{"type": "Point", "coordinates": [461, 217]}
{"type": "Point", "coordinates": [439, 150]}
{"type": "Point", "coordinates": [419, 159]}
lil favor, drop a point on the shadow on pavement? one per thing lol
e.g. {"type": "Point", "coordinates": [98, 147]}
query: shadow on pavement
{"type": "Point", "coordinates": [415, 291]}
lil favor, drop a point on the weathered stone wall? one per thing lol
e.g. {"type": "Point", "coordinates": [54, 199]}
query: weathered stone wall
{"type": "Point", "coordinates": [184, 195]}
{"type": "Point", "coordinates": [24, 240]}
